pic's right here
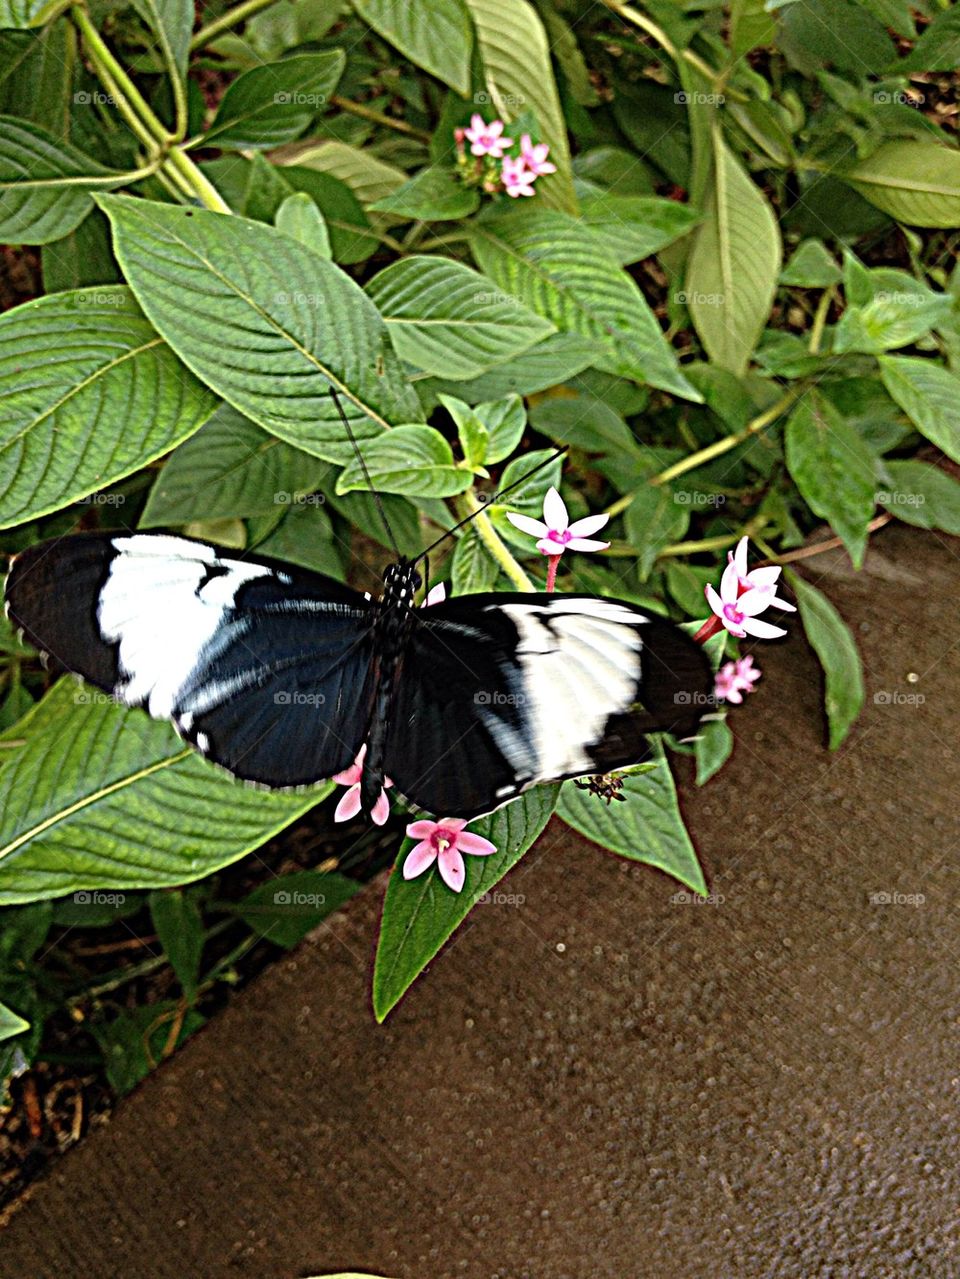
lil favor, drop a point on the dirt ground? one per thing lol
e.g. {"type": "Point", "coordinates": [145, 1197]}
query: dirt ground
{"type": "Point", "coordinates": [605, 1081]}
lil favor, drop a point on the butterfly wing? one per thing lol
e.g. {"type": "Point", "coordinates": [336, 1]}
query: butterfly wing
{"type": "Point", "coordinates": [499, 692]}
{"type": "Point", "coordinates": [266, 668]}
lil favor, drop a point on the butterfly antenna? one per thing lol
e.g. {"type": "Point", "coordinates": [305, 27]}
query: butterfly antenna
{"type": "Point", "coordinates": [495, 497]}
{"type": "Point", "coordinates": [366, 474]}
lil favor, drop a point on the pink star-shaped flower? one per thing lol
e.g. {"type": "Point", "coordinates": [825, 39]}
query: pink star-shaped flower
{"type": "Point", "coordinates": [734, 679]}
{"type": "Point", "coordinates": [555, 531]}
{"type": "Point", "coordinates": [742, 596]}
{"type": "Point", "coordinates": [349, 804]}
{"type": "Point", "coordinates": [517, 178]}
{"type": "Point", "coordinates": [534, 156]}
{"type": "Point", "coordinates": [486, 139]}
{"type": "Point", "coordinates": [444, 842]}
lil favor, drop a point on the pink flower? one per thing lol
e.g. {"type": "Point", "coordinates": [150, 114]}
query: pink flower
{"type": "Point", "coordinates": [444, 842]}
{"type": "Point", "coordinates": [486, 139]}
{"type": "Point", "coordinates": [517, 178]}
{"type": "Point", "coordinates": [534, 156]}
{"type": "Point", "coordinates": [555, 532]}
{"type": "Point", "coordinates": [349, 804]}
{"type": "Point", "coordinates": [758, 579]}
{"type": "Point", "coordinates": [741, 598]}
{"type": "Point", "coordinates": [436, 595]}
{"type": "Point", "coordinates": [734, 679]}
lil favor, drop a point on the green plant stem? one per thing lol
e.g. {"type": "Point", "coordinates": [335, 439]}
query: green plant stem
{"type": "Point", "coordinates": [820, 320]}
{"type": "Point", "coordinates": [377, 117]}
{"type": "Point", "coordinates": [716, 79]}
{"type": "Point", "coordinates": [468, 505]}
{"type": "Point", "coordinates": [231, 18]}
{"type": "Point", "coordinates": [441, 241]}
{"type": "Point", "coordinates": [201, 186]}
{"type": "Point", "coordinates": [115, 179]}
{"type": "Point", "coordinates": [719, 447]}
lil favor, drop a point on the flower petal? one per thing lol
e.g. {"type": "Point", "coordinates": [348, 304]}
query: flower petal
{"type": "Point", "coordinates": [714, 600]}
{"type": "Point", "coordinates": [586, 544]}
{"type": "Point", "coordinates": [349, 804]}
{"type": "Point", "coordinates": [475, 845]}
{"type": "Point", "coordinates": [777, 602]}
{"type": "Point", "coordinates": [762, 630]}
{"type": "Point", "coordinates": [740, 557]}
{"type": "Point", "coordinates": [730, 583]}
{"type": "Point", "coordinates": [591, 524]}
{"type": "Point", "coordinates": [452, 870]}
{"type": "Point", "coordinates": [421, 829]}
{"type": "Point", "coordinates": [555, 511]}
{"type": "Point", "coordinates": [453, 823]}
{"type": "Point", "coordinates": [762, 576]}
{"type": "Point", "coordinates": [733, 696]}
{"type": "Point", "coordinates": [526, 524]}
{"type": "Point", "coordinates": [381, 810]}
{"type": "Point", "coordinates": [419, 858]}
{"type": "Point", "coordinates": [754, 601]}
{"type": "Point", "coordinates": [548, 547]}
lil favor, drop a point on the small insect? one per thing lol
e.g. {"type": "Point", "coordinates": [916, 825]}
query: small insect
{"type": "Point", "coordinates": [280, 675]}
{"type": "Point", "coordinates": [604, 785]}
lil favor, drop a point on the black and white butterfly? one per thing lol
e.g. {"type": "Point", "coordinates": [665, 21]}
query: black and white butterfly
{"type": "Point", "coordinates": [280, 675]}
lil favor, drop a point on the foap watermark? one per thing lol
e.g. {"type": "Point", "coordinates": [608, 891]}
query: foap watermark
{"type": "Point", "coordinates": [683, 898]}
{"type": "Point", "coordinates": [497, 898]}
{"type": "Point", "coordinates": [694, 699]}
{"type": "Point", "coordinates": [92, 697]}
{"type": "Point", "coordinates": [491, 297]}
{"type": "Point", "coordinates": [891, 497]}
{"type": "Point", "coordinates": [283, 498]}
{"type": "Point", "coordinates": [98, 898]}
{"type": "Point", "coordinates": [496, 698]}
{"type": "Point", "coordinates": [483, 99]}
{"type": "Point", "coordinates": [298, 698]}
{"type": "Point", "coordinates": [94, 98]}
{"type": "Point", "coordinates": [294, 98]}
{"type": "Point", "coordinates": [100, 298]}
{"type": "Point", "coordinates": [699, 99]}
{"type": "Point", "coordinates": [684, 497]}
{"type": "Point", "coordinates": [299, 298]}
{"type": "Point", "coordinates": [102, 499]}
{"type": "Point", "coordinates": [886, 898]}
{"type": "Point", "coordinates": [686, 297]}
{"type": "Point", "coordinates": [293, 897]}
{"type": "Point", "coordinates": [886, 96]}
{"type": "Point", "coordinates": [893, 697]}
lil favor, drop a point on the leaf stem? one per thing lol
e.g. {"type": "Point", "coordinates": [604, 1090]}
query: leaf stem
{"type": "Point", "coordinates": [377, 117]}
{"type": "Point", "coordinates": [202, 187]}
{"type": "Point", "coordinates": [231, 18]}
{"type": "Point", "coordinates": [820, 320]}
{"type": "Point", "coordinates": [728, 442]}
{"type": "Point", "coordinates": [491, 539]}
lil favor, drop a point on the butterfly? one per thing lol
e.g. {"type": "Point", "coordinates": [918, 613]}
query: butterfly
{"type": "Point", "coordinates": [280, 674]}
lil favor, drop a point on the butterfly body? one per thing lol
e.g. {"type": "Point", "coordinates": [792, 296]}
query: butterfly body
{"type": "Point", "coordinates": [281, 675]}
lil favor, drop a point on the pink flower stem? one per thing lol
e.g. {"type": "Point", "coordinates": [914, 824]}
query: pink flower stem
{"type": "Point", "coordinates": [552, 572]}
{"type": "Point", "coordinates": [710, 627]}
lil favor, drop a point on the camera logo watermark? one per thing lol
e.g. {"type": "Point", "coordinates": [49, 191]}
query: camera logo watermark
{"type": "Point", "coordinates": [296, 99]}
{"type": "Point", "coordinates": [283, 498]}
{"type": "Point", "coordinates": [298, 699]}
{"type": "Point", "coordinates": [885, 898]}
{"type": "Point", "coordinates": [686, 498]}
{"type": "Point", "coordinates": [501, 899]}
{"type": "Point", "coordinates": [98, 898]}
{"type": "Point", "coordinates": [687, 298]}
{"type": "Point", "coordinates": [496, 698]}
{"type": "Point", "coordinates": [892, 697]}
{"type": "Point", "coordinates": [683, 898]}
{"type": "Point", "coordinates": [292, 897]}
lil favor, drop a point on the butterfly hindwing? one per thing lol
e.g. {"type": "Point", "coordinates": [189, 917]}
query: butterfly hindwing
{"type": "Point", "coordinates": [499, 692]}
{"type": "Point", "coordinates": [266, 668]}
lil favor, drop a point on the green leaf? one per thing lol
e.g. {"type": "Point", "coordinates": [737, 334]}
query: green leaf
{"type": "Point", "coordinates": [305, 536]}
{"type": "Point", "coordinates": [505, 420]}
{"type": "Point", "coordinates": [890, 320]}
{"type": "Point", "coordinates": [646, 828]}
{"type": "Point", "coordinates": [45, 183]}
{"type": "Point", "coordinates": [26, 13]}
{"type": "Point", "coordinates": [811, 267]}
{"type": "Point", "coordinates": [432, 195]}
{"type": "Point", "coordinates": [300, 218]}
{"type": "Point", "coordinates": [914, 182]}
{"type": "Point", "coordinates": [561, 270]}
{"type": "Point", "coordinates": [276, 102]}
{"type": "Point", "coordinates": [102, 797]}
{"type": "Point", "coordinates": [528, 496]}
{"type": "Point", "coordinates": [516, 68]}
{"type": "Point", "coordinates": [415, 460]}
{"type": "Point", "coordinates": [447, 319]}
{"type": "Point", "coordinates": [586, 422]}
{"type": "Point", "coordinates": [712, 748]}
{"type": "Point", "coordinates": [731, 276]}
{"type": "Point", "coordinates": [920, 494]}
{"type": "Point", "coordinates": [179, 926]}
{"type": "Point", "coordinates": [286, 908]}
{"type": "Point", "coordinates": [358, 168]}
{"type": "Point", "coordinates": [474, 568]}
{"type": "Point", "coordinates": [172, 22]}
{"type": "Point", "coordinates": [633, 227]}
{"type": "Point", "coordinates": [654, 519]}
{"type": "Point", "coordinates": [419, 915]}
{"type": "Point", "coordinates": [472, 433]}
{"type": "Point", "coordinates": [833, 643]}
{"type": "Point", "coordinates": [929, 394]}
{"type": "Point", "coordinates": [441, 42]}
{"type": "Point", "coordinates": [91, 393]}
{"type": "Point", "coordinates": [266, 323]}
{"type": "Point", "coordinates": [551, 361]}
{"type": "Point", "coordinates": [231, 468]}
{"type": "Point", "coordinates": [37, 71]}
{"type": "Point", "coordinates": [938, 49]}
{"type": "Point", "coordinates": [833, 469]}
{"type": "Point", "coordinates": [135, 1042]}
{"type": "Point", "coordinates": [11, 1023]}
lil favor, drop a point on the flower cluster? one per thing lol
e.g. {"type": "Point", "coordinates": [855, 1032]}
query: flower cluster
{"type": "Point", "coordinates": [495, 163]}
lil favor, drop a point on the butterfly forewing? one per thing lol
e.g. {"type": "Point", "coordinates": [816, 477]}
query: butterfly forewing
{"type": "Point", "coordinates": [499, 692]}
{"type": "Point", "coordinates": [266, 668]}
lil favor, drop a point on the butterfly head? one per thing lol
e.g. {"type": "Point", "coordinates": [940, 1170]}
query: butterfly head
{"type": "Point", "coordinates": [401, 581]}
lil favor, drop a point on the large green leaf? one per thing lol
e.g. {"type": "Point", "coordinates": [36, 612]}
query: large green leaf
{"type": "Point", "coordinates": [632, 227]}
{"type": "Point", "coordinates": [929, 394]}
{"type": "Point", "coordinates": [553, 360]}
{"type": "Point", "coordinates": [915, 182]}
{"type": "Point", "coordinates": [286, 908]}
{"type": "Point", "coordinates": [432, 195]}
{"type": "Point", "coordinates": [647, 828]}
{"type": "Point", "coordinates": [274, 103]}
{"type": "Point", "coordinates": [90, 393]}
{"type": "Point", "coordinates": [890, 320]}
{"type": "Point", "coordinates": [231, 468]}
{"type": "Point", "coordinates": [440, 40]}
{"type": "Point", "coordinates": [516, 67]}
{"type": "Point", "coordinates": [414, 460]}
{"type": "Point", "coordinates": [172, 23]}
{"type": "Point", "coordinates": [266, 323]}
{"type": "Point", "coordinates": [920, 494]}
{"type": "Point", "coordinates": [938, 49]}
{"type": "Point", "coordinates": [833, 468]}
{"type": "Point", "coordinates": [732, 273]}
{"type": "Point", "coordinates": [833, 643]}
{"type": "Point", "coordinates": [560, 270]}
{"type": "Point", "coordinates": [446, 319]}
{"type": "Point", "coordinates": [102, 797]}
{"type": "Point", "coordinates": [37, 71]}
{"type": "Point", "coordinates": [419, 915]}
{"type": "Point", "coordinates": [300, 218]}
{"type": "Point", "coordinates": [45, 183]}
{"type": "Point", "coordinates": [368, 177]}
{"type": "Point", "coordinates": [26, 13]}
